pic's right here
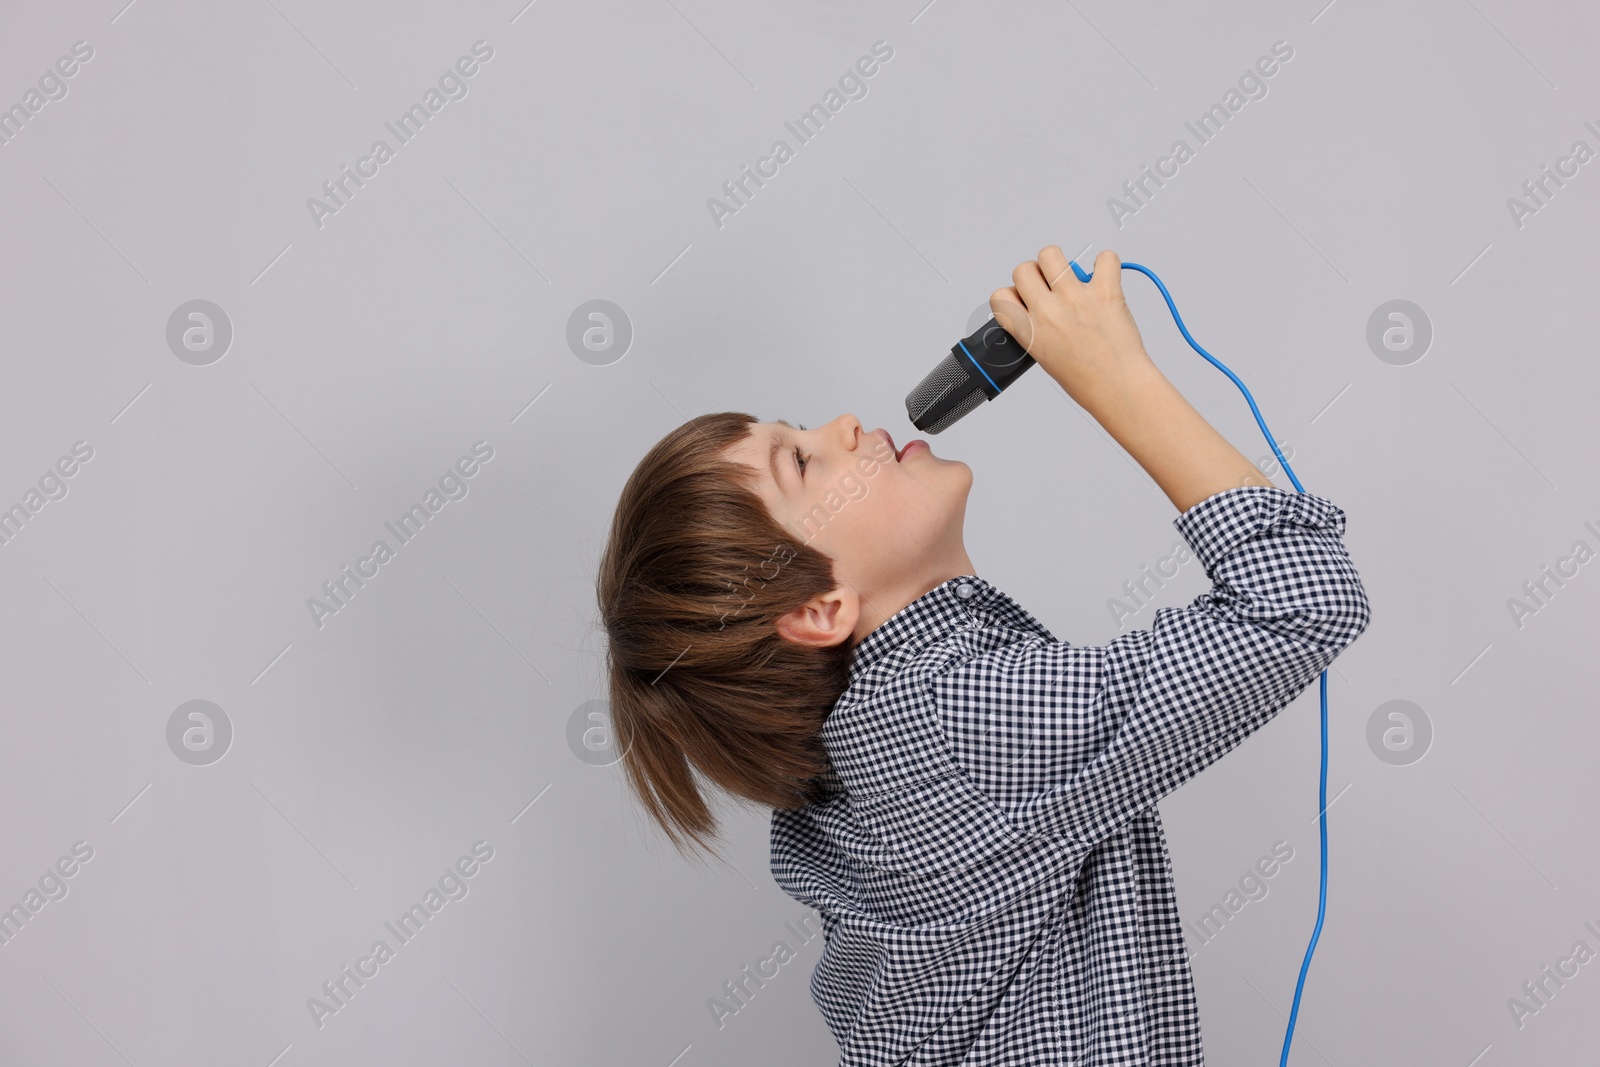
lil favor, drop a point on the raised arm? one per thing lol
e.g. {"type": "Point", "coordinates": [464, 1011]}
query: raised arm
{"type": "Point", "coordinates": [1073, 741]}
{"type": "Point", "coordinates": [1084, 336]}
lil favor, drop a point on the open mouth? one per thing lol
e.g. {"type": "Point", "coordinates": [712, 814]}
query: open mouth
{"type": "Point", "coordinates": [900, 453]}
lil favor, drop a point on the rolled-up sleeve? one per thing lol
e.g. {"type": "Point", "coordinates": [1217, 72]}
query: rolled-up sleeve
{"type": "Point", "coordinates": [1074, 741]}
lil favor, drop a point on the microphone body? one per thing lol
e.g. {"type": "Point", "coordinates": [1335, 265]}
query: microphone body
{"type": "Point", "coordinates": [978, 368]}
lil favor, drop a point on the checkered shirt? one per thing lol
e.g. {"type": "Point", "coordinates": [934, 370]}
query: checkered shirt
{"type": "Point", "coordinates": [987, 857]}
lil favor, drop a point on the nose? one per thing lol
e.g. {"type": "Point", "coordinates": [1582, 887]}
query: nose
{"type": "Point", "coordinates": [849, 428]}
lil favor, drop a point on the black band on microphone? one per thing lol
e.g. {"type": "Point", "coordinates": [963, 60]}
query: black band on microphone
{"type": "Point", "coordinates": [978, 368]}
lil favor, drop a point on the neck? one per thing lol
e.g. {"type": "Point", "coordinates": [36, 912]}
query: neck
{"type": "Point", "coordinates": [880, 605]}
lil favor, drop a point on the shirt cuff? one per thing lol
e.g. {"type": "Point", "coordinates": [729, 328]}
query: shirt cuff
{"type": "Point", "coordinates": [1223, 521]}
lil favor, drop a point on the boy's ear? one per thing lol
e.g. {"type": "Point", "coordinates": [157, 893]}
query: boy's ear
{"type": "Point", "coordinates": [826, 619]}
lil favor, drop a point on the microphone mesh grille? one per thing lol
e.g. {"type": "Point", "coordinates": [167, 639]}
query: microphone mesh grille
{"type": "Point", "coordinates": [970, 401]}
{"type": "Point", "coordinates": [949, 376]}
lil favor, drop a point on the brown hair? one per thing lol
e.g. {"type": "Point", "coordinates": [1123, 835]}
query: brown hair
{"type": "Point", "coordinates": [694, 576]}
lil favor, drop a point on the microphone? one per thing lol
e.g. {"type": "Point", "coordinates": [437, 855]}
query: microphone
{"type": "Point", "coordinates": [978, 368]}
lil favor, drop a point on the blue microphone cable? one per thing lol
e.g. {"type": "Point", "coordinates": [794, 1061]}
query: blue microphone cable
{"type": "Point", "coordinates": [1322, 785]}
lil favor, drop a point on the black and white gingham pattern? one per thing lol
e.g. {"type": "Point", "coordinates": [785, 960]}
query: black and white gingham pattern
{"type": "Point", "coordinates": [988, 859]}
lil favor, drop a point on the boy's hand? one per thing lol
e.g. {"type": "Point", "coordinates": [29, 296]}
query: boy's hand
{"type": "Point", "coordinates": [1083, 335]}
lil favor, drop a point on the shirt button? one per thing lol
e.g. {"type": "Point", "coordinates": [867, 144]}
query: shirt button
{"type": "Point", "coordinates": [964, 591]}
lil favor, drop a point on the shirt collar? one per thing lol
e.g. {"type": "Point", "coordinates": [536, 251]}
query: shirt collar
{"type": "Point", "coordinates": [959, 602]}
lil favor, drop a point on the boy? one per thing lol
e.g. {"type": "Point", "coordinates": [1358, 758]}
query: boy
{"type": "Point", "coordinates": [979, 829]}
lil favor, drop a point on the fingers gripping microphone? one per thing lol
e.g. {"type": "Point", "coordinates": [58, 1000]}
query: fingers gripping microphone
{"type": "Point", "coordinates": [977, 369]}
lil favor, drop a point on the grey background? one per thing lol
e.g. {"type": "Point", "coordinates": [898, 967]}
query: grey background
{"type": "Point", "coordinates": [431, 312]}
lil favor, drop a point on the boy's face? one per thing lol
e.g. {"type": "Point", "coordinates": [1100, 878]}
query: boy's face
{"type": "Point", "coordinates": [892, 526]}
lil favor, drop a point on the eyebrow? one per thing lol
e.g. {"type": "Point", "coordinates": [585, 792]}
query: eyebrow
{"type": "Point", "coordinates": [778, 440]}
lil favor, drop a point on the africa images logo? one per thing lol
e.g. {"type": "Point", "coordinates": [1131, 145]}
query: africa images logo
{"type": "Point", "coordinates": [852, 86]}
